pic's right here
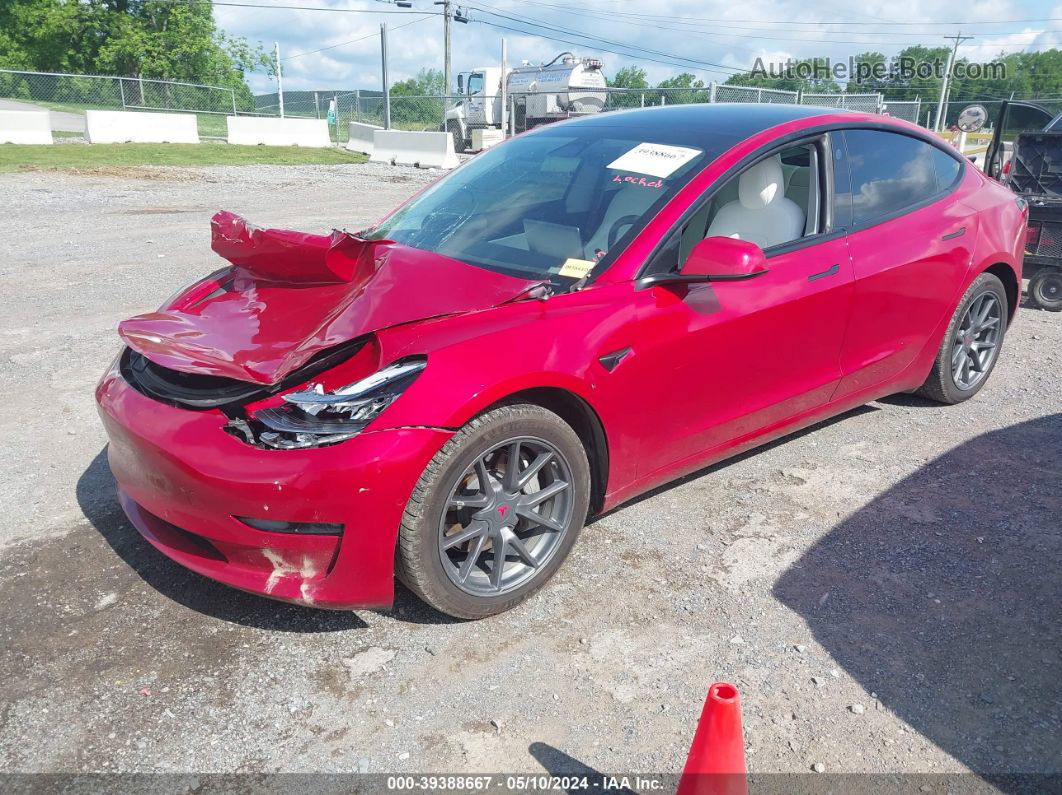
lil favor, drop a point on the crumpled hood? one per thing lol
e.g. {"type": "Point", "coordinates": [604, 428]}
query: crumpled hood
{"type": "Point", "coordinates": [290, 295]}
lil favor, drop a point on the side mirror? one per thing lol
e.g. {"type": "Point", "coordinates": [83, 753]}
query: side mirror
{"type": "Point", "coordinates": [460, 84]}
{"type": "Point", "coordinates": [716, 259]}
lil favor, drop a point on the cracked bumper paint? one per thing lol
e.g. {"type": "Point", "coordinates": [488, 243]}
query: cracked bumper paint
{"type": "Point", "coordinates": [183, 481]}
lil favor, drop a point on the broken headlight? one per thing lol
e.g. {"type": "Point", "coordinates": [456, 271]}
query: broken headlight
{"type": "Point", "coordinates": [313, 417]}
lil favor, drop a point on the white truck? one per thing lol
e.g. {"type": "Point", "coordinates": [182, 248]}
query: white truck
{"type": "Point", "coordinates": [566, 86]}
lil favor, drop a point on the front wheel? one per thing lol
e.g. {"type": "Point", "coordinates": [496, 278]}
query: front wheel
{"type": "Point", "coordinates": [495, 513]}
{"type": "Point", "coordinates": [971, 344]}
{"type": "Point", "coordinates": [1045, 289]}
{"type": "Point", "coordinates": [455, 132]}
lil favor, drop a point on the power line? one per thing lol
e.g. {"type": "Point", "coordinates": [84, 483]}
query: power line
{"type": "Point", "coordinates": [361, 38]}
{"type": "Point", "coordinates": [626, 50]}
{"type": "Point", "coordinates": [638, 20]}
{"type": "Point", "coordinates": [536, 34]}
{"type": "Point", "coordinates": [295, 8]}
{"type": "Point", "coordinates": [635, 21]}
{"type": "Point", "coordinates": [708, 66]}
{"type": "Point", "coordinates": [806, 22]}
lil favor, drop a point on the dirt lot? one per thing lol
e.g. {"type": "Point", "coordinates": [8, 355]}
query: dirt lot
{"type": "Point", "coordinates": [885, 588]}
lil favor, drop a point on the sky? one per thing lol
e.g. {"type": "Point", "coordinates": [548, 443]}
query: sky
{"type": "Point", "coordinates": [710, 38]}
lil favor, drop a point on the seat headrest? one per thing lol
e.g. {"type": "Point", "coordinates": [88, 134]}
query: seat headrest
{"type": "Point", "coordinates": [761, 184]}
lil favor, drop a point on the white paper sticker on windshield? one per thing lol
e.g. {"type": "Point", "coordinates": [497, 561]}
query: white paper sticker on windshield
{"type": "Point", "coordinates": [657, 160]}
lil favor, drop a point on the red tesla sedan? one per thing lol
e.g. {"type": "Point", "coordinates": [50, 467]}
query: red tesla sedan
{"type": "Point", "coordinates": [569, 319]}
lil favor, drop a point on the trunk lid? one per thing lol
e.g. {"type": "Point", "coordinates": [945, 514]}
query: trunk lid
{"type": "Point", "coordinates": [1036, 169]}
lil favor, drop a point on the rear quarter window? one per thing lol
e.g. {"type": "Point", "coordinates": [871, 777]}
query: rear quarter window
{"type": "Point", "coordinates": [947, 169]}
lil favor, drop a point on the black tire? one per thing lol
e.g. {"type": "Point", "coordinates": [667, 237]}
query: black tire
{"type": "Point", "coordinates": [941, 385]}
{"type": "Point", "coordinates": [1045, 289]}
{"type": "Point", "coordinates": [455, 133]}
{"type": "Point", "coordinates": [418, 559]}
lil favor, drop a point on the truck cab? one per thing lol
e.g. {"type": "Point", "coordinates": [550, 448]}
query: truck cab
{"type": "Point", "coordinates": [479, 105]}
{"type": "Point", "coordinates": [541, 93]}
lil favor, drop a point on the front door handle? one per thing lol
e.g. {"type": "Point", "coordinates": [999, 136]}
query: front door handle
{"type": "Point", "coordinates": [825, 273]}
{"type": "Point", "coordinates": [957, 233]}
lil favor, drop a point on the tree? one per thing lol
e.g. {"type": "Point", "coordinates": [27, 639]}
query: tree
{"type": "Point", "coordinates": [53, 36]}
{"type": "Point", "coordinates": [427, 83]}
{"type": "Point", "coordinates": [870, 73]}
{"type": "Point", "coordinates": [629, 77]}
{"type": "Point", "coordinates": [633, 80]}
{"type": "Point", "coordinates": [133, 38]}
{"type": "Point", "coordinates": [683, 89]}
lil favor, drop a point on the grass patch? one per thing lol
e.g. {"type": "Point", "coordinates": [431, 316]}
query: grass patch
{"type": "Point", "coordinates": [15, 157]}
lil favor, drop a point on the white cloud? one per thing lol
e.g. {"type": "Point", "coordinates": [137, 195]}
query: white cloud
{"type": "Point", "coordinates": [740, 33]}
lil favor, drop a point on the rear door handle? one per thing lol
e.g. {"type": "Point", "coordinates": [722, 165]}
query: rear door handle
{"type": "Point", "coordinates": [825, 273]}
{"type": "Point", "coordinates": [957, 233]}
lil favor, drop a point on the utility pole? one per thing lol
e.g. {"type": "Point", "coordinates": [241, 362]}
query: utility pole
{"type": "Point", "coordinates": [280, 77]}
{"type": "Point", "coordinates": [386, 84]}
{"type": "Point", "coordinates": [504, 109]}
{"type": "Point", "coordinates": [447, 36]}
{"type": "Point", "coordinates": [945, 85]}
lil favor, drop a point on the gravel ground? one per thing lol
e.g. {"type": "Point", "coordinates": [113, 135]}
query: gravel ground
{"type": "Point", "coordinates": [884, 588]}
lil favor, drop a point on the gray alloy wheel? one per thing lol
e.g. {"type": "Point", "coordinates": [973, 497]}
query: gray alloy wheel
{"type": "Point", "coordinates": [495, 513]}
{"type": "Point", "coordinates": [970, 348]}
{"type": "Point", "coordinates": [506, 516]}
{"type": "Point", "coordinates": [976, 341]}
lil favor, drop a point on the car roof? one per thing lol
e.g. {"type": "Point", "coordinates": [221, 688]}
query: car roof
{"type": "Point", "coordinates": [738, 119]}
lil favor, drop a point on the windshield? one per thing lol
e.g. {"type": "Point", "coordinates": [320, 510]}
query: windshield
{"type": "Point", "coordinates": [549, 205]}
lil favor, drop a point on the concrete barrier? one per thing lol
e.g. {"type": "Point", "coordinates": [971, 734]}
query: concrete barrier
{"type": "Point", "coordinates": [485, 139]}
{"type": "Point", "coordinates": [256, 130]}
{"type": "Point", "coordinates": [360, 137]}
{"type": "Point", "coordinates": [25, 127]}
{"type": "Point", "coordinates": [423, 149]}
{"type": "Point", "coordinates": [140, 127]}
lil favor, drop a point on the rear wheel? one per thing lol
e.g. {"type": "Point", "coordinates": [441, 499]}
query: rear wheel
{"type": "Point", "coordinates": [1045, 289]}
{"type": "Point", "coordinates": [971, 344]}
{"type": "Point", "coordinates": [495, 513]}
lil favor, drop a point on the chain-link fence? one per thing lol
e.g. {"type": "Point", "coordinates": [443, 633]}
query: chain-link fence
{"type": "Point", "coordinates": [864, 103]}
{"type": "Point", "coordinates": [904, 109]}
{"type": "Point", "coordinates": [78, 93]}
{"type": "Point", "coordinates": [749, 94]}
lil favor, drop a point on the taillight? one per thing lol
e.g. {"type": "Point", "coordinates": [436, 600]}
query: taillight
{"type": "Point", "coordinates": [1006, 169]}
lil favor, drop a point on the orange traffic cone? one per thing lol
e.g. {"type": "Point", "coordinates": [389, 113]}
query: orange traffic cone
{"type": "Point", "coordinates": [716, 762]}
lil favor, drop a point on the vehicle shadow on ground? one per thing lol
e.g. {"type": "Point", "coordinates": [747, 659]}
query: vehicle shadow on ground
{"type": "Point", "coordinates": [943, 597]}
{"type": "Point", "coordinates": [97, 497]}
{"type": "Point", "coordinates": [708, 470]}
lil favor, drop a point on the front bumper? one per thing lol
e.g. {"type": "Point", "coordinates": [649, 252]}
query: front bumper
{"type": "Point", "coordinates": [183, 481]}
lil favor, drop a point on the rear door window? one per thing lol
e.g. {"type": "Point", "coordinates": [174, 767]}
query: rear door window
{"type": "Point", "coordinates": [890, 173]}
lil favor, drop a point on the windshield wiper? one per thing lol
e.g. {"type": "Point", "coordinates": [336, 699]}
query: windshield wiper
{"type": "Point", "coordinates": [539, 291]}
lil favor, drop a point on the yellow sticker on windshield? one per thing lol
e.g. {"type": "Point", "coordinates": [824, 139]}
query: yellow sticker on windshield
{"type": "Point", "coordinates": [576, 268]}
